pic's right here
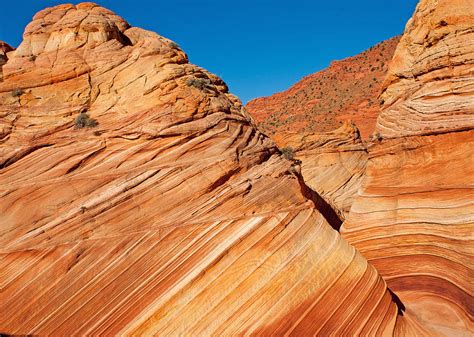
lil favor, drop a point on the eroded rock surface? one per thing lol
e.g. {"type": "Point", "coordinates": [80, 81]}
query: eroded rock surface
{"type": "Point", "coordinates": [172, 215]}
{"type": "Point", "coordinates": [414, 217]}
{"type": "Point", "coordinates": [175, 215]}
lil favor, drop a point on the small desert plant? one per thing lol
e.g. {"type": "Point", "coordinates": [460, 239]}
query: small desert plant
{"type": "Point", "coordinates": [174, 45]}
{"type": "Point", "coordinates": [17, 92]}
{"type": "Point", "coordinates": [200, 83]}
{"type": "Point", "coordinates": [288, 153]}
{"type": "Point", "coordinates": [84, 121]}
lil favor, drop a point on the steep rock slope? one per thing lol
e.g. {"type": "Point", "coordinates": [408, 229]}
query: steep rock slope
{"type": "Point", "coordinates": [321, 102]}
{"type": "Point", "coordinates": [138, 198]}
{"type": "Point", "coordinates": [414, 217]}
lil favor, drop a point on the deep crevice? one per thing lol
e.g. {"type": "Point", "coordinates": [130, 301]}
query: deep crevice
{"type": "Point", "coordinates": [335, 221]}
{"type": "Point", "coordinates": [397, 301]}
{"type": "Point", "coordinates": [329, 213]}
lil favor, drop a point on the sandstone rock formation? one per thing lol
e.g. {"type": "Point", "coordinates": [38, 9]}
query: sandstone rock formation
{"type": "Point", "coordinates": [171, 213]}
{"type": "Point", "coordinates": [321, 102]}
{"type": "Point", "coordinates": [414, 216]}
{"type": "Point", "coordinates": [138, 198]}
{"type": "Point", "coordinates": [332, 163]}
{"type": "Point", "coordinates": [430, 83]}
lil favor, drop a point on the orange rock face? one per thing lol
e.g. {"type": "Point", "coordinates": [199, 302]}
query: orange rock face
{"type": "Point", "coordinates": [322, 102]}
{"type": "Point", "coordinates": [414, 216]}
{"type": "Point", "coordinates": [137, 197]}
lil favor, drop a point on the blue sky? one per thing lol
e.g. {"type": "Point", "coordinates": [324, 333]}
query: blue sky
{"type": "Point", "coordinates": [258, 47]}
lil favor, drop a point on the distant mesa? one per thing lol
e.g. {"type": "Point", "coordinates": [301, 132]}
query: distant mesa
{"type": "Point", "coordinates": [322, 102]}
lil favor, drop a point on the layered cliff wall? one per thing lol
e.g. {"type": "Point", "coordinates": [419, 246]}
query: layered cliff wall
{"type": "Point", "coordinates": [429, 86]}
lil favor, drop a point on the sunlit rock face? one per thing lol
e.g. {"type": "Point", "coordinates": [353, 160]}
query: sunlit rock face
{"type": "Point", "coordinates": [137, 197]}
{"type": "Point", "coordinates": [413, 218]}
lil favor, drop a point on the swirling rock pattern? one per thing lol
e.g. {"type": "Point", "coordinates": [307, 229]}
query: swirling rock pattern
{"type": "Point", "coordinates": [413, 221]}
{"type": "Point", "coordinates": [173, 215]}
{"type": "Point", "coordinates": [413, 218]}
{"type": "Point", "coordinates": [430, 83]}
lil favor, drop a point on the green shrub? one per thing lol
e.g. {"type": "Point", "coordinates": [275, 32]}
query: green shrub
{"type": "Point", "coordinates": [288, 153]}
{"type": "Point", "coordinates": [174, 45]}
{"type": "Point", "coordinates": [84, 121]}
{"type": "Point", "coordinates": [200, 83]}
